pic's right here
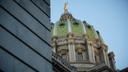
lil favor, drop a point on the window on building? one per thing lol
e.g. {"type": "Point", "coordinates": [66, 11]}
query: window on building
{"type": "Point", "coordinates": [85, 55]}
{"type": "Point", "coordinates": [76, 23]}
{"type": "Point", "coordinates": [97, 59]}
{"type": "Point", "coordinates": [79, 57]}
{"type": "Point", "coordinates": [61, 24]}
{"type": "Point", "coordinates": [65, 56]}
{"type": "Point", "coordinates": [89, 26]}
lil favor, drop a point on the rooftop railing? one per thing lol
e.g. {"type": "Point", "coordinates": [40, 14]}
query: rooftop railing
{"type": "Point", "coordinates": [63, 62]}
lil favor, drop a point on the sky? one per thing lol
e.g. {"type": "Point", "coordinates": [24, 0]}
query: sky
{"type": "Point", "coordinates": [110, 17]}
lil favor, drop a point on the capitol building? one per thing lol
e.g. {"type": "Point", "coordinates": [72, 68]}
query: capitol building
{"type": "Point", "coordinates": [81, 45]}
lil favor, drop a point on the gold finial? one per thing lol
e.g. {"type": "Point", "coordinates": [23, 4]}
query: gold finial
{"type": "Point", "coordinates": [65, 7]}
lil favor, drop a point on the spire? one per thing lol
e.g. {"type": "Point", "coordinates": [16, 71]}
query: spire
{"type": "Point", "coordinates": [66, 7]}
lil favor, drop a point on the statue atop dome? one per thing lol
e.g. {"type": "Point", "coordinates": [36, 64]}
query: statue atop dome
{"type": "Point", "coordinates": [66, 7]}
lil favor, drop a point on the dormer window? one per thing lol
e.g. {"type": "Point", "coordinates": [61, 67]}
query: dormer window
{"type": "Point", "coordinates": [61, 24]}
{"type": "Point", "coordinates": [76, 23]}
{"type": "Point", "coordinates": [89, 26]}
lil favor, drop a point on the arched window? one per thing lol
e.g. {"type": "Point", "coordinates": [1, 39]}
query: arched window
{"type": "Point", "coordinates": [81, 53]}
{"type": "Point", "coordinates": [79, 56]}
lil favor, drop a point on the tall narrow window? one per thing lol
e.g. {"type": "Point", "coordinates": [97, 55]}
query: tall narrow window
{"type": "Point", "coordinates": [65, 56]}
{"type": "Point", "coordinates": [79, 57]}
{"type": "Point", "coordinates": [97, 59]}
{"type": "Point", "coordinates": [85, 55]}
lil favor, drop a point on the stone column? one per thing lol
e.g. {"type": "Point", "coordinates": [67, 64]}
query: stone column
{"type": "Point", "coordinates": [91, 53]}
{"type": "Point", "coordinates": [74, 53]}
{"type": "Point", "coordinates": [107, 59]}
{"type": "Point", "coordinates": [104, 54]}
{"type": "Point", "coordinates": [72, 56]}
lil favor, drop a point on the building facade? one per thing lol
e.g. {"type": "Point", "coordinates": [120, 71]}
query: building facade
{"type": "Point", "coordinates": [80, 44]}
{"type": "Point", "coordinates": [25, 36]}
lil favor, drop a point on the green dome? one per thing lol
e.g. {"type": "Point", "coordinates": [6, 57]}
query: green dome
{"type": "Point", "coordinates": [68, 24]}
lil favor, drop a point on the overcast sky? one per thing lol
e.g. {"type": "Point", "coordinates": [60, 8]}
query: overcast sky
{"type": "Point", "coordinates": [110, 17]}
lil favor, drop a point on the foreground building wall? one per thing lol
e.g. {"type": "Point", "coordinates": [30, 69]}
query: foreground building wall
{"type": "Point", "coordinates": [25, 36]}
